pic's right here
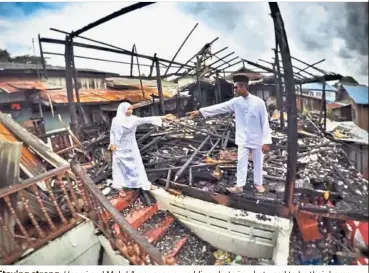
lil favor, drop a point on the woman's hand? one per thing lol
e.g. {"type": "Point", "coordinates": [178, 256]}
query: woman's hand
{"type": "Point", "coordinates": [112, 147]}
{"type": "Point", "coordinates": [169, 117]}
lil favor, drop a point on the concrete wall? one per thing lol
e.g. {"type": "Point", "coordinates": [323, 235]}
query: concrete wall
{"type": "Point", "coordinates": [79, 246]}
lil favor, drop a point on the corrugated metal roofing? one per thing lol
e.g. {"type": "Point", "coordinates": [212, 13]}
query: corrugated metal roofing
{"type": "Point", "coordinates": [317, 86]}
{"type": "Point", "coordinates": [359, 93]}
{"type": "Point", "coordinates": [22, 66]}
{"type": "Point", "coordinates": [115, 83]}
{"type": "Point", "coordinates": [102, 96]}
{"type": "Point", "coordinates": [336, 105]}
{"type": "Point", "coordinates": [19, 86]}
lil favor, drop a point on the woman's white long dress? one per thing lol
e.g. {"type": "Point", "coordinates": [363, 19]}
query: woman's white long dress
{"type": "Point", "coordinates": [127, 166]}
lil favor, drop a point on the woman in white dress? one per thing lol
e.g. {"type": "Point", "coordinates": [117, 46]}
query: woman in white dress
{"type": "Point", "coordinates": [128, 169]}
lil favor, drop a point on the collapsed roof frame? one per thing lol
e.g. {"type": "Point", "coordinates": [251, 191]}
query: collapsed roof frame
{"type": "Point", "coordinates": [71, 72]}
{"type": "Point", "coordinates": [285, 209]}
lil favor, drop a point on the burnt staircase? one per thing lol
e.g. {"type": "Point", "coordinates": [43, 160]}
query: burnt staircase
{"type": "Point", "coordinates": [161, 229]}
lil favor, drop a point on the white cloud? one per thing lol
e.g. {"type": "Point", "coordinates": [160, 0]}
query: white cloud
{"type": "Point", "coordinates": [161, 28]}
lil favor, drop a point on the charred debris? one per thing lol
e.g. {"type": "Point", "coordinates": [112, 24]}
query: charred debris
{"type": "Point", "coordinates": [306, 173]}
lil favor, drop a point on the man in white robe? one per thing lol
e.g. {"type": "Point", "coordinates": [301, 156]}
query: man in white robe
{"type": "Point", "coordinates": [127, 166]}
{"type": "Point", "coordinates": [252, 130]}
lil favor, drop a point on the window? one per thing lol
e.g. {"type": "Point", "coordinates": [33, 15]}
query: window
{"type": "Point", "coordinates": [318, 94]}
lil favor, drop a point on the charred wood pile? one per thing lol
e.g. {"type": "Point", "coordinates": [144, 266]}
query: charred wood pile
{"type": "Point", "coordinates": [199, 157]}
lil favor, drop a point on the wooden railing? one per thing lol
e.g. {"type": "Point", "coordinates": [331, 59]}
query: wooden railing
{"type": "Point", "coordinates": [36, 211]}
{"type": "Point", "coordinates": [42, 208]}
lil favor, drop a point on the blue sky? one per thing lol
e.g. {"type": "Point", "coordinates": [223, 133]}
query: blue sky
{"type": "Point", "coordinates": [245, 27]}
{"type": "Point", "coordinates": [16, 9]}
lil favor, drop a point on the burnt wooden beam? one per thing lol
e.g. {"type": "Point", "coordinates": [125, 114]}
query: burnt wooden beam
{"type": "Point", "coordinates": [160, 88]}
{"type": "Point", "coordinates": [131, 68]}
{"type": "Point", "coordinates": [312, 66]}
{"type": "Point", "coordinates": [134, 50]}
{"type": "Point", "coordinates": [278, 71]}
{"type": "Point", "coordinates": [279, 94]}
{"type": "Point", "coordinates": [179, 49]}
{"type": "Point", "coordinates": [220, 59]}
{"type": "Point", "coordinates": [198, 53]}
{"type": "Point", "coordinates": [109, 17]}
{"type": "Point", "coordinates": [69, 85]}
{"type": "Point", "coordinates": [230, 65]}
{"type": "Point", "coordinates": [43, 63]}
{"type": "Point", "coordinates": [281, 36]}
{"type": "Point", "coordinates": [112, 50]}
{"type": "Point", "coordinates": [190, 70]}
{"type": "Point", "coordinates": [103, 60]}
{"type": "Point", "coordinates": [298, 73]}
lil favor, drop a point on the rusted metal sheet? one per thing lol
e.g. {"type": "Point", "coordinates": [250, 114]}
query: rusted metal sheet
{"type": "Point", "coordinates": [39, 147]}
{"type": "Point", "coordinates": [29, 162]}
{"type": "Point", "coordinates": [19, 86]}
{"type": "Point", "coordinates": [102, 96]}
{"type": "Point", "coordinates": [9, 165]}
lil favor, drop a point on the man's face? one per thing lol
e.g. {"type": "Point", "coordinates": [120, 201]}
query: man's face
{"type": "Point", "coordinates": [240, 90]}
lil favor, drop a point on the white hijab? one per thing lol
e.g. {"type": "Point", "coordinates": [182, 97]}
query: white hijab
{"type": "Point", "coordinates": [122, 119]}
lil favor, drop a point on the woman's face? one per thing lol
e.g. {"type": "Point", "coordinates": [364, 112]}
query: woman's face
{"type": "Point", "coordinates": [129, 111]}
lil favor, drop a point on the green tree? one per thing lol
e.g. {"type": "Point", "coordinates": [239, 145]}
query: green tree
{"type": "Point", "coordinates": [27, 59]}
{"type": "Point", "coordinates": [5, 56]}
{"type": "Point", "coordinates": [24, 59]}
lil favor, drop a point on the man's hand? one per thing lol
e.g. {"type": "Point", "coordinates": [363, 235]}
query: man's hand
{"type": "Point", "coordinates": [265, 148]}
{"type": "Point", "coordinates": [112, 147]}
{"type": "Point", "coordinates": [194, 114]}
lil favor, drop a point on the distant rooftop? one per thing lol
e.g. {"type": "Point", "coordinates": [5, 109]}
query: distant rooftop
{"type": "Point", "coordinates": [359, 93]}
{"type": "Point", "coordinates": [22, 66]}
{"type": "Point", "coordinates": [317, 86]}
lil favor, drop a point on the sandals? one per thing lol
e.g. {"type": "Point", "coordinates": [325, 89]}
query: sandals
{"type": "Point", "coordinates": [235, 190]}
{"type": "Point", "coordinates": [260, 189]}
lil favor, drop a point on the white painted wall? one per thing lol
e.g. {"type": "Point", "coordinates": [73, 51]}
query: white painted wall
{"type": "Point", "coordinates": [79, 246]}
{"type": "Point", "coordinates": [85, 83]}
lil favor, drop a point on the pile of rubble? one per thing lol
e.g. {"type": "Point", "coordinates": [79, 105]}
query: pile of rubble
{"type": "Point", "coordinates": [201, 154]}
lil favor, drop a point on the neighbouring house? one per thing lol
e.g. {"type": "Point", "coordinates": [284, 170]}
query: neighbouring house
{"type": "Point", "coordinates": [86, 78]}
{"type": "Point", "coordinates": [357, 97]}
{"type": "Point", "coordinates": [95, 104]}
{"type": "Point", "coordinates": [20, 83]}
{"type": "Point", "coordinates": [355, 142]}
{"type": "Point", "coordinates": [316, 90]}
{"type": "Point", "coordinates": [341, 111]}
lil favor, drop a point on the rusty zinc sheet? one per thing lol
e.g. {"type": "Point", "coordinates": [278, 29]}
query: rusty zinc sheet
{"type": "Point", "coordinates": [29, 162]}
{"type": "Point", "coordinates": [18, 86]}
{"type": "Point", "coordinates": [102, 96]}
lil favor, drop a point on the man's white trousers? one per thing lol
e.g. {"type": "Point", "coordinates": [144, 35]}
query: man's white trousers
{"type": "Point", "coordinates": [243, 160]}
